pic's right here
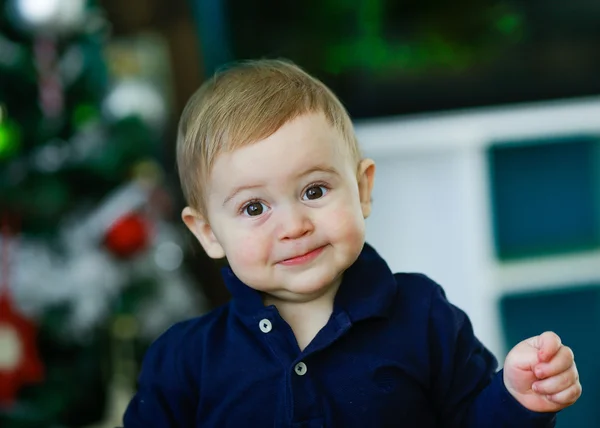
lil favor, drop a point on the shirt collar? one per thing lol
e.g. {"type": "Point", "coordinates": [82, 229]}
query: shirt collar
{"type": "Point", "coordinates": [367, 290]}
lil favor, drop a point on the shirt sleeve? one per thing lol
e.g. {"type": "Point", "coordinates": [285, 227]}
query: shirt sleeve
{"type": "Point", "coordinates": [465, 387]}
{"type": "Point", "coordinates": [163, 399]}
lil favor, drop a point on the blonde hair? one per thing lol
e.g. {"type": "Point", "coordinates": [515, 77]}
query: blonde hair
{"type": "Point", "coordinates": [244, 104]}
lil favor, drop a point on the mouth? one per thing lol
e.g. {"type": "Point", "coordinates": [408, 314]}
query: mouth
{"type": "Point", "coordinates": [304, 258]}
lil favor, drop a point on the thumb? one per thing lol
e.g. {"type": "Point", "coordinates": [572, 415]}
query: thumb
{"type": "Point", "coordinates": [524, 356]}
{"type": "Point", "coordinates": [547, 345]}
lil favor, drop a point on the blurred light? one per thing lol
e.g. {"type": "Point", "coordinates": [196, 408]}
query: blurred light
{"type": "Point", "coordinates": [54, 16]}
{"type": "Point", "coordinates": [10, 137]}
{"type": "Point", "coordinates": [38, 12]}
{"type": "Point", "coordinates": [83, 114]}
{"type": "Point", "coordinates": [168, 256]}
{"type": "Point", "coordinates": [52, 156]}
{"type": "Point", "coordinates": [136, 98]}
{"type": "Point", "coordinates": [10, 348]}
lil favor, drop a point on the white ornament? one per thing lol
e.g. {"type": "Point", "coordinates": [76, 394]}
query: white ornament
{"type": "Point", "coordinates": [88, 279]}
{"type": "Point", "coordinates": [55, 17]}
{"type": "Point", "coordinates": [136, 97]}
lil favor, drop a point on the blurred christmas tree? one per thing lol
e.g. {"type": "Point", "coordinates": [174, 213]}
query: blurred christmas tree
{"type": "Point", "coordinates": [91, 269]}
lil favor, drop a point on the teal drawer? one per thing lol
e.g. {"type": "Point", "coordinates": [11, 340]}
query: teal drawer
{"type": "Point", "coordinates": [573, 313]}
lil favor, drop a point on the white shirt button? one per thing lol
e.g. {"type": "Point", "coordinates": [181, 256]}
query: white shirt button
{"type": "Point", "coordinates": [265, 325]}
{"type": "Point", "coordinates": [300, 369]}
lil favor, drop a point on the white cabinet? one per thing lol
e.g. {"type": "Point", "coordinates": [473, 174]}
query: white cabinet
{"type": "Point", "coordinates": [432, 209]}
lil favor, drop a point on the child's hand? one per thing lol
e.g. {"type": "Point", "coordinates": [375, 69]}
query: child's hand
{"type": "Point", "coordinates": [541, 374]}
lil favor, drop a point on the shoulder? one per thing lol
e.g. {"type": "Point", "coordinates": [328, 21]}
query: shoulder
{"type": "Point", "coordinates": [426, 302]}
{"type": "Point", "coordinates": [415, 299]}
{"type": "Point", "coordinates": [447, 326]}
{"type": "Point", "coordinates": [169, 384]}
{"type": "Point", "coordinates": [188, 334]}
{"type": "Point", "coordinates": [169, 357]}
{"type": "Point", "coordinates": [418, 287]}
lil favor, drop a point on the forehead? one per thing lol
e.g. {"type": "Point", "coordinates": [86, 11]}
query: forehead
{"type": "Point", "coordinates": [299, 144]}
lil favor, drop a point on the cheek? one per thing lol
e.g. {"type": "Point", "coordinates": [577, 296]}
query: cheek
{"type": "Point", "coordinates": [345, 224]}
{"type": "Point", "coordinates": [248, 250]}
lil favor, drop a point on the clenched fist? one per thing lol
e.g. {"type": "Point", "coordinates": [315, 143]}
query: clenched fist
{"type": "Point", "coordinates": [540, 373]}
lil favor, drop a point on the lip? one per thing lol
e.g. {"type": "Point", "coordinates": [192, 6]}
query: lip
{"type": "Point", "coordinates": [304, 258]}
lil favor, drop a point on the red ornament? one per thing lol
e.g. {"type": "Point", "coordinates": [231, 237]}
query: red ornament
{"type": "Point", "coordinates": [128, 236]}
{"type": "Point", "coordinates": [19, 360]}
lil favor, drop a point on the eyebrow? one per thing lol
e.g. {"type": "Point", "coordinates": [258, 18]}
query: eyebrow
{"type": "Point", "coordinates": [316, 168]}
{"type": "Point", "coordinates": [320, 168]}
{"type": "Point", "coordinates": [238, 190]}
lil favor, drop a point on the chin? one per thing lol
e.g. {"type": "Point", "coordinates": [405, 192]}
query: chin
{"type": "Point", "coordinates": [312, 283]}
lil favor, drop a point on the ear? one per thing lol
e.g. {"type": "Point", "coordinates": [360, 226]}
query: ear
{"type": "Point", "coordinates": [366, 178]}
{"type": "Point", "coordinates": [199, 226]}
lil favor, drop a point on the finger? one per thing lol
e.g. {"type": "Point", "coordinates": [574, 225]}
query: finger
{"type": "Point", "coordinates": [567, 396]}
{"type": "Point", "coordinates": [557, 383]}
{"type": "Point", "coordinates": [547, 344]}
{"type": "Point", "coordinates": [562, 361]}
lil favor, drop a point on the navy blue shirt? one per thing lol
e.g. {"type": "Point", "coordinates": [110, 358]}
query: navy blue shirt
{"type": "Point", "coordinates": [394, 353]}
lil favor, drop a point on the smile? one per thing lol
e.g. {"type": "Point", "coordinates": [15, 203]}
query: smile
{"type": "Point", "coordinates": [304, 258]}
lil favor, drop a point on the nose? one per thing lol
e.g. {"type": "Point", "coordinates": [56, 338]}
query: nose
{"type": "Point", "coordinates": [294, 223]}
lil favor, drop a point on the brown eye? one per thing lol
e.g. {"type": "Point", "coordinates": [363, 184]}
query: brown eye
{"type": "Point", "coordinates": [254, 209]}
{"type": "Point", "coordinates": [314, 192]}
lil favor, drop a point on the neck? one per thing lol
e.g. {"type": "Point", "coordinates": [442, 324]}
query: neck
{"type": "Point", "coordinates": [306, 318]}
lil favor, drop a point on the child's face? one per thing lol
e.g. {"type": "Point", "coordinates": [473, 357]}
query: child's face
{"type": "Point", "coordinates": [288, 211]}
